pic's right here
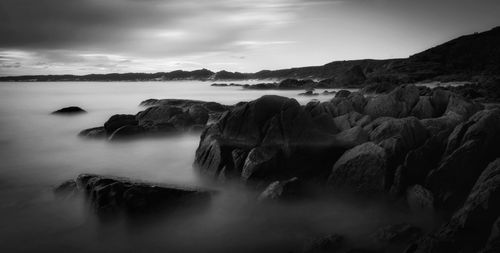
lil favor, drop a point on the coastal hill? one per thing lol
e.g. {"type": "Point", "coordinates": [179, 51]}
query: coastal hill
{"type": "Point", "coordinates": [461, 59]}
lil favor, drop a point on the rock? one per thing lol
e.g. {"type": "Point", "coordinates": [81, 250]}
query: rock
{"type": "Point", "coordinates": [94, 133]}
{"type": "Point", "coordinates": [69, 110]}
{"type": "Point", "coordinates": [397, 104]}
{"type": "Point", "coordinates": [362, 168]}
{"type": "Point", "coordinates": [420, 199]}
{"type": "Point", "coordinates": [309, 93]}
{"type": "Point", "coordinates": [440, 99]}
{"type": "Point", "coordinates": [330, 243]}
{"type": "Point", "coordinates": [296, 84]}
{"type": "Point", "coordinates": [470, 227]}
{"type": "Point", "coordinates": [398, 233]}
{"type": "Point", "coordinates": [119, 120]}
{"type": "Point", "coordinates": [342, 94]}
{"type": "Point", "coordinates": [67, 187]}
{"type": "Point", "coordinates": [157, 114]}
{"type": "Point", "coordinates": [126, 132]}
{"type": "Point", "coordinates": [471, 146]}
{"type": "Point", "coordinates": [419, 162]}
{"type": "Point", "coordinates": [111, 194]}
{"type": "Point", "coordinates": [260, 163]}
{"type": "Point", "coordinates": [493, 244]}
{"type": "Point", "coordinates": [199, 114]}
{"type": "Point", "coordinates": [423, 109]}
{"type": "Point", "coordinates": [352, 137]}
{"type": "Point", "coordinates": [358, 101]}
{"type": "Point", "coordinates": [283, 190]}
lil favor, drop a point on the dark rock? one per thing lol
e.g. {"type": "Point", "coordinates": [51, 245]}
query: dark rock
{"type": "Point", "coordinates": [352, 137]}
{"type": "Point", "coordinates": [283, 190]}
{"type": "Point", "coordinates": [199, 114]}
{"type": "Point", "coordinates": [69, 110]}
{"type": "Point", "coordinates": [296, 84]}
{"type": "Point", "coordinates": [362, 168]}
{"type": "Point", "coordinates": [419, 162]}
{"type": "Point", "coordinates": [119, 120]}
{"type": "Point", "coordinates": [94, 133]}
{"type": "Point", "coordinates": [330, 243]}
{"type": "Point", "coordinates": [126, 132]}
{"type": "Point", "coordinates": [342, 94]}
{"type": "Point", "coordinates": [397, 137]}
{"type": "Point", "coordinates": [398, 233]}
{"type": "Point", "coordinates": [67, 187]}
{"type": "Point", "coordinates": [470, 227]}
{"type": "Point", "coordinates": [397, 104]}
{"type": "Point", "coordinates": [471, 146]}
{"type": "Point", "coordinates": [493, 244]}
{"type": "Point", "coordinates": [420, 199]}
{"type": "Point", "coordinates": [157, 114]}
{"type": "Point", "coordinates": [260, 163]}
{"type": "Point", "coordinates": [111, 194]}
{"type": "Point", "coordinates": [423, 109]}
{"type": "Point", "coordinates": [309, 93]}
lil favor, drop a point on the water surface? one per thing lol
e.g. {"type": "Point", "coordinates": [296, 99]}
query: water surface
{"type": "Point", "coordinates": [39, 150]}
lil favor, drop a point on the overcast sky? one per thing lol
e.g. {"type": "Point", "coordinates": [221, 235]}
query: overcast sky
{"type": "Point", "coordinates": [100, 36]}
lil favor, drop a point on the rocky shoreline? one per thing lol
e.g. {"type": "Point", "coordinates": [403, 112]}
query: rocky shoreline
{"type": "Point", "coordinates": [434, 149]}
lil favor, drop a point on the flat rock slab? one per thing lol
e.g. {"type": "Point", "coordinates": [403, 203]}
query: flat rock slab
{"type": "Point", "coordinates": [112, 194]}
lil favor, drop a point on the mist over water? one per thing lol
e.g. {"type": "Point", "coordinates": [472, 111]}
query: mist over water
{"type": "Point", "coordinates": [39, 150]}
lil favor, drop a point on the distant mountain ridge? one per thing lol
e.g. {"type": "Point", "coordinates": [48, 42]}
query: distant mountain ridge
{"type": "Point", "coordinates": [460, 59]}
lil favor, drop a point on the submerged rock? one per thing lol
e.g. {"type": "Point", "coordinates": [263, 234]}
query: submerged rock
{"type": "Point", "coordinates": [112, 194]}
{"type": "Point", "coordinates": [282, 190]}
{"type": "Point", "coordinates": [69, 110]}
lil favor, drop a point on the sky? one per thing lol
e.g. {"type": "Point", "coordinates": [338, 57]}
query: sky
{"type": "Point", "coordinates": [103, 36]}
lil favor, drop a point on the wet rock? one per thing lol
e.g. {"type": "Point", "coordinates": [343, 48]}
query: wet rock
{"type": "Point", "coordinates": [111, 194]}
{"type": "Point", "coordinates": [362, 168]}
{"type": "Point", "coordinates": [330, 243]}
{"type": "Point", "coordinates": [398, 233]}
{"type": "Point", "coordinates": [93, 133]}
{"type": "Point", "coordinates": [69, 110]}
{"type": "Point", "coordinates": [283, 190]}
{"type": "Point", "coordinates": [119, 120]}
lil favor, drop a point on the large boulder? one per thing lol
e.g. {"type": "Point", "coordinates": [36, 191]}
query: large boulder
{"type": "Point", "coordinates": [119, 120]}
{"type": "Point", "coordinates": [362, 168]}
{"type": "Point", "coordinates": [307, 143]}
{"type": "Point", "coordinates": [471, 146]}
{"type": "Point", "coordinates": [470, 227]}
{"type": "Point", "coordinates": [397, 137]}
{"type": "Point", "coordinates": [397, 104]}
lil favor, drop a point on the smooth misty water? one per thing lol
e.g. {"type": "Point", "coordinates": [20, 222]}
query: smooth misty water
{"type": "Point", "coordinates": [39, 150]}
